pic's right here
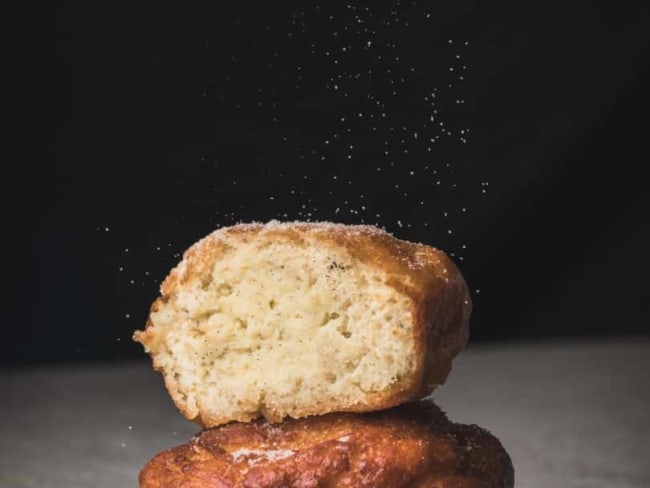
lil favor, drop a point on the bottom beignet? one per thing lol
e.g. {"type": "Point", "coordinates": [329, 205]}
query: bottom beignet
{"type": "Point", "coordinates": [413, 445]}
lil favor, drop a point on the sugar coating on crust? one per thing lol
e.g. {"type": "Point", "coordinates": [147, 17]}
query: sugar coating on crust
{"type": "Point", "coordinates": [410, 446]}
{"type": "Point", "coordinates": [295, 319]}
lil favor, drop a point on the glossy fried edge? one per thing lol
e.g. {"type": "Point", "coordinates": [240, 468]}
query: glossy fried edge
{"type": "Point", "coordinates": [413, 445]}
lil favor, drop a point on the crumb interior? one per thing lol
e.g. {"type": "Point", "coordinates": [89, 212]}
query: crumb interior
{"type": "Point", "coordinates": [279, 327]}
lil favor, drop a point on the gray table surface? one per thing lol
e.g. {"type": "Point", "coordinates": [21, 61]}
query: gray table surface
{"type": "Point", "coordinates": [571, 414]}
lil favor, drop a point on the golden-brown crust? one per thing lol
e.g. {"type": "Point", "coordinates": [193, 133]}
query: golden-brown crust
{"type": "Point", "coordinates": [440, 301]}
{"type": "Point", "coordinates": [413, 445]}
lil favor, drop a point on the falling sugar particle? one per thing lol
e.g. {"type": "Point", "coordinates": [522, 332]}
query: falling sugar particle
{"type": "Point", "coordinates": [362, 31]}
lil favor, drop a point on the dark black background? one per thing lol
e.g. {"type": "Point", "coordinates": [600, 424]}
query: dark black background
{"type": "Point", "coordinates": [148, 126]}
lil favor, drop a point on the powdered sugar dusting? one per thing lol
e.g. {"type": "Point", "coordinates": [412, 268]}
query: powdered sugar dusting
{"type": "Point", "coordinates": [354, 112]}
{"type": "Point", "coordinates": [254, 456]}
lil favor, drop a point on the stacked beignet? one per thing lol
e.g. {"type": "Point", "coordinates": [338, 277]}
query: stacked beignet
{"type": "Point", "coordinates": [266, 333]}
